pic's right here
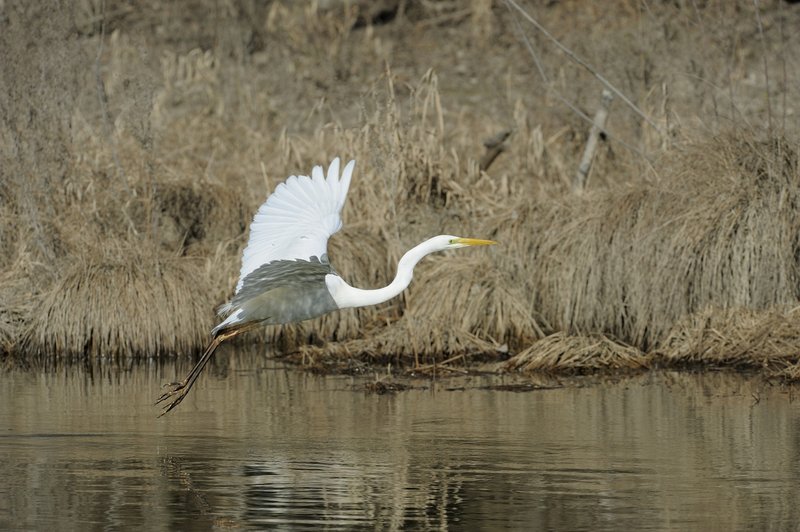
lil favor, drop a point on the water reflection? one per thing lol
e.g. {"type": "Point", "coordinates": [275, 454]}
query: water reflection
{"type": "Point", "coordinates": [259, 446]}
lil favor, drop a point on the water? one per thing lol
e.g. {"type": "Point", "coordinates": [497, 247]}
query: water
{"type": "Point", "coordinates": [259, 446]}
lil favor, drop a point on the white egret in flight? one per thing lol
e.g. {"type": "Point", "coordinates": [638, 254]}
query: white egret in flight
{"type": "Point", "coordinates": [286, 276]}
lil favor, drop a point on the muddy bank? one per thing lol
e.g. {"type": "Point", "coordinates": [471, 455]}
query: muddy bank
{"type": "Point", "coordinates": [128, 181]}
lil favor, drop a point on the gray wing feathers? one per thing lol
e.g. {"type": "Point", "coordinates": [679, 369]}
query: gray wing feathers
{"type": "Point", "coordinates": [285, 291]}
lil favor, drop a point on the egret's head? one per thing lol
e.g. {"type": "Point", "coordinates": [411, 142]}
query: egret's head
{"type": "Point", "coordinates": [453, 242]}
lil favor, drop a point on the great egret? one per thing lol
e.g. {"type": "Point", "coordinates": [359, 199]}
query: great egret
{"type": "Point", "coordinates": [286, 276]}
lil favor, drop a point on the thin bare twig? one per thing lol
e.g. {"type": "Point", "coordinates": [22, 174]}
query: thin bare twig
{"type": "Point", "coordinates": [549, 86]}
{"type": "Point", "coordinates": [784, 80]}
{"type": "Point", "coordinates": [495, 145]}
{"type": "Point", "coordinates": [103, 97]}
{"type": "Point", "coordinates": [764, 57]}
{"type": "Point", "coordinates": [572, 55]}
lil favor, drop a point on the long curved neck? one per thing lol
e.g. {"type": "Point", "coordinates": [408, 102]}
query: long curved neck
{"type": "Point", "coordinates": [349, 296]}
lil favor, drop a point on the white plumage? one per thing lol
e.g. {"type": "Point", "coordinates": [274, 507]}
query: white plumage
{"type": "Point", "coordinates": [297, 219]}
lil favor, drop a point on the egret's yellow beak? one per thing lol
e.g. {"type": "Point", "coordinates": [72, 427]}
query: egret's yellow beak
{"type": "Point", "coordinates": [473, 242]}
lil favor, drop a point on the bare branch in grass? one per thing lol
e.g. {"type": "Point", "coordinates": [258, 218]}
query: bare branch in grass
{"type": "Point", "coordinates": [572, 55]}
{"type": "Point", "coordinates": [572, 107]}
{"type": "Point", "coordinates": [103, 99]}
{"type": "Point", "coordinates": [764, 58]}
{"type": "Point", "coordinates": [599, 126]}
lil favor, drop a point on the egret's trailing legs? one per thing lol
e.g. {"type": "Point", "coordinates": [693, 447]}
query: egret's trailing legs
{"type": "Point", "coordinates": [179, 390]}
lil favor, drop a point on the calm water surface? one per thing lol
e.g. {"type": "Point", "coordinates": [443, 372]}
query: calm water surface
{"type": "Point", "coordinates": [259, 446]}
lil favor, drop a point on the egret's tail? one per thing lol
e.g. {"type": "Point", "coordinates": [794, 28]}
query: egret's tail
{"type": "Point", "coordinates": [224, 309]}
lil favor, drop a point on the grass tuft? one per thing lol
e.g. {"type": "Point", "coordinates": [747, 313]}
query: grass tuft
{"type": "Point", "coordinates": [135, 305]}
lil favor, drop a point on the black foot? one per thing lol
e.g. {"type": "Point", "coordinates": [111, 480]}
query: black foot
{"type": "Point", "coordinates": [177, 392]}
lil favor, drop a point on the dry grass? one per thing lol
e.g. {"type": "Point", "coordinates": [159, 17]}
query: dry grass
{"type": "Point", "coordinates": [788, 373]}
{"type": "Point", "coordinates": [129, 188]}
{"type": "Point", "coordinates": [418, 345]}
{"type": "Point", "coordinates": [137, 304]}
{"type": "Point", "coordinates": [470, 291]}
{"type": "Point", "coordinates": [736, 337]}
{"type": "Point", "coordinates": [14, 312]}
{"type": "Point", "coordinates": [715, 229]}
{"type": "Point", "coordinates": [561, 353]}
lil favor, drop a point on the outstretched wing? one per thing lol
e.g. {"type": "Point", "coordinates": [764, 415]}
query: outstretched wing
{"type": "Point", "coordinates": [297, 219]}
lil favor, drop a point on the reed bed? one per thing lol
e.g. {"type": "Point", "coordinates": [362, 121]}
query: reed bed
{"type": "Point", "coordinates": [718, 228]}
{"type": "Point", "coordinates": [736, 337]}
{"type": "Point", "coordinates": [126, 202]}
{"type": "Point", "coordinates": [139, 305]}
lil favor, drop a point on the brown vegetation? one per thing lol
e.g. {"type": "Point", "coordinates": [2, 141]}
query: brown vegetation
{"type": "Point", "coordinates": [132, 303]}
{"type": "Point", "coordinates": [561, 353]}
{"type": "Point", "coordinates": [736, 337]}
{"type": "Point", "coordinates": [129, 176]}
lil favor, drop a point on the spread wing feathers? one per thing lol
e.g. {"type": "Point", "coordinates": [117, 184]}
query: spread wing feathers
{"type": "Point", "coordinates": [297, 219]}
